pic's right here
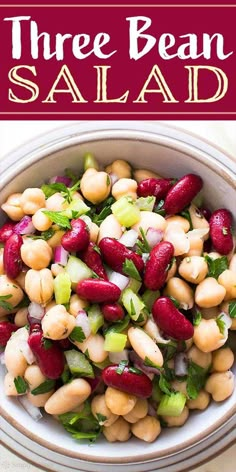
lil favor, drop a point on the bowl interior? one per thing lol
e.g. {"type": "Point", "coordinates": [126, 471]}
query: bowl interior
{"type": "Point", "coordinates": [169, 158]}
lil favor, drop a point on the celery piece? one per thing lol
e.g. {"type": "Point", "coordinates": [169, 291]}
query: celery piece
{"type": "Point", "coordinates": [119, 326]}
{"type": "Point", "coordinates": [90, 162]}
{"type": "Point", "coordinates": [132, 303]}
{"type": "Point", "coordinates": [149, 297]}
{"type": "Point", "coordinates": [156, 391]}
{"type": "Point", "coordinates": [172, 405]}
{"type": "Point", "coordinates": [77, 270]}
{"type": "Point", "coordinates": [62, 288]}
{"type": "Point", "coordinates": [146, 203]}
{"type": "Point", "coordinates": [126, 212]}
{"type": "Point", "coordinates": [115, 342]}
{"type": "Point", "coordinates": [76, 207]}
{"type": "Point", "coordinates": [78, 363]}
{"type": "Point", "coordinates": [134, 285]}
{"type": "Point", "coordinates": [95, 318]}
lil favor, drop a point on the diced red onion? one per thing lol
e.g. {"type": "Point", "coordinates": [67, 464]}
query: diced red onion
{"type": "Point", "coordinates": [93, 382]}
{"type": "Point", "coordinates": [119, 280]}
{"type": "Point", "coordinates": [154, 236]}
{"type": "Point", "coordinates": [36, 311]}
{"type": "Point", "coordinates": [139, 364]}
{"type": "Point", "coordinates": [181, 364]}
{"type": "Point", "coordinates": [25, 226]}
{"type": "Point", "coordinates": [2, 358]}
{"type": "Point", "coordinates": [129, 238]}
{"type": "Point", "coordinates": [62, 179]}
{"type": "Point", "coordinates": [60, 255]}
{"type": "Point", "coordinates": [27, 352]}
{"type": "Point", "coordinates": [83, 321]}
{"type": "Point", "coordinates": [117, 357]}
{"type": "Point", "coordinates": [151, 410]}
{"type": "Point", "coordinates": [113, 178]}
{"type": "Point", "coordinates": [33, 411]}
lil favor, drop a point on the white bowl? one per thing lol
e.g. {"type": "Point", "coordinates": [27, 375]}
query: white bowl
{"type": "Point", "coordinates": [170, 152]}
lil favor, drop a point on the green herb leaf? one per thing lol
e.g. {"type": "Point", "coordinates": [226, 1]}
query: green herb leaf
{"type": "Point", "coordinates": [134, 370]}
{"type": "Point", "coordinates": [149, 363]}
{"type": "Point", "coordinates": [20, 384]}
{"type": "Point", "coordinates": [216, 266]}
{"type": "Point", "coordinates": [221, 324]}
{"type": "Point", "coordinates": [119, 326]}
{"type": "Point", "coordinates": [169, 349]}
{"type": "Point", "coordinates": [47, 343]}
{"type": "Point", "coordinates": [164, 384]}
{"type": "Point", "coordinates": [197, 318]}
{"type": "Point", "coordinates": [159, 208]}
{"type": "Point", "coordinates": [71, 175]}
{"type": "Point", "coordinates": [81, 425]}
{"type": "Point", "coordinates": [44, 387]}
{"type": "Point", "coordinates": [232, 309]}
{"type": "Point", "coordinates": [4, 304]}
{"type": "Point", "coordinates": [185, 214]}
{"type": "Point", "coordinates": [46, 235]}
{"type": "Point", "coordinates": [51, 189]}
{"type": "Point", "coordinates": [121, 367]}
{"type": "Point", "coordinates": [142, 244]}
{"type": "Point", "coordinates": [101, 418]}
{"type": "Point", "coordinates": [97, 249]}
{"type": "Point", "coordinates": [176, 302]}
{"type": "Point", "coordinates": [196, 380]}
{"type": "Point", "coordinates": [105, 211]}
{"type": "Point", "coordinates": [131, 270]}
{"type": "Point", "coordinates": [58, 218]}
{"type": "Point", "coordinates": [77, 334]}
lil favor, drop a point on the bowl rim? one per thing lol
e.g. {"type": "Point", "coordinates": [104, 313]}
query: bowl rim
{"type": "Point", "coordinates": [61, 138]}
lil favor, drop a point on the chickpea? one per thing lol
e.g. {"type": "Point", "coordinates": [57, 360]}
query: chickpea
{"type": "Point", "coordinates": [181, 291]}
{"type": "Point", "coordinates": [203, 359]}
{"type": "Point", "coordinates": [232, 264]}
{"type": "Point", "coordinates": [209, 293]}
{"type": "Point", "coordinates": [207, 336]}
{"type": "Point", "coordinates": [220, 385]}
{"type": "Point", "coordinates": [120, 169]}
{"type": "Point", "coordinates": [57, 269]}
{"type": "Point", "coordinates": [173, 421]}
{"type": "Point", "coordinates": [98, 406]}
{"type": "Point", "coordinates": [139, 411]}
{"type": "Point", "coordinates": [180, 386]}
{"type": "Point", "coordinates": [198, 220]}
{"type": "Point", "coordinates": [148, 219]}
{"type": "Point", "coordinates": [228, 280]}
{"type": "Point", "coordinates": [15, 361]}
{"type": "Point", "coordinates": [39, 286]}
{"type": "Point", "coordinates": [34, 378]}
{"type": "Point", "coordinates": [142, 174]}
{"type": "Point", "coordinates": [1, 261]}
{"type": "Point", "coordinates": [125, 188]}
{"type": "Point", "coordinates": [77, 304]}
{"type": "Point", "coordinates": [172, 271]}
{"type": "Point", "coordinates": [110, 228]}
{"type": "Point", "coordinates": [68, 397]}
{"type": "Point", "coordinates": [36, 254]}
{"type": "Point", "coordinates": [147, 429]}
{"type": "Point", "coordinates": [31, 200]}
{"type": "Point", "coordinates": [21, 319]}
{"type": "Point", "coordinates": [176, 235]}
{"type": "Point", "coordinates": [194, 269]}
{"type": "Point", "coordinates": [21, 279]}
{"type": "Point", "coordinates": [57, 323]}
{"type": "Point", "coordinates": [12, 207]}
{"type": "Point", "coordinates": [196, 246]}
{"type": "Point", "coordinates": [55, 240]}
{"type": "Point", "coordinates": [201, 402]}
{"type": "Point", "coordinates": [93, 228]}
{"type": "Point", "coordinates": [95, 186]}
{"type": "Point", "coordinates": [144, 346]}
{"type": "Point", "coordinates": [118, 402]}
{"type": "Point", "coordinates": [118, 431]}
{"type": "Point", "coordinates": [41, 221]}
{"type": "Point", "coordinates": [94, 344]}
{"type": "Point", "coordinates": [179, 221]}
{"type": "Point", "coordinates": [222, 359]}
{"type": "Point", "coordinates": [10, 287]}
{"type": "Point", "coordinates": [9, 385]}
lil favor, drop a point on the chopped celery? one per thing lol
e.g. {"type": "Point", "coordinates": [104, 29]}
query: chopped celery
{"type": "Point", "coordinates": [95, 318]}
{"type": "Point", "coordinates": [134, 285]}
{"type": "Point", "coordinates": [119, 326]}
{"type": "Point", "coordinates": [132, 303]}
{"type": "Point", "coordinates": [172, 405]}
{"type": "Point", "coordinates": [62, 288]}
{"type": "Point", "coordinates": [115, 342]}
{"type": "Point", "coordinates": [77, 207]}
{"type": "Point", "coordinates": [78, 363]}
{"type": "Point", "coordinates": [77, 270]}
{"type": "Point", "coordinates": [146, 203]}
{"type": "Point", "coordinates": [126, 212]}
{"type": "Point", "coordinates": [149, 297]}
{"type": "Point", "coordinates": [156, 391]}
{"type": "Point", "coordinates": [90, 162]}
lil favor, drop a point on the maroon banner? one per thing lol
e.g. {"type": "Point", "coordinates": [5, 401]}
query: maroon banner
{"type": "Point", "coordinates": [134, 61]}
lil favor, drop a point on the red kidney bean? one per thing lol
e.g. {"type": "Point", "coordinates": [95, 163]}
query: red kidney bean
{"type": "Point", "coordinates": [170, 320]}
{"type": "Point", "coordinates": [12, 261]}
{"type": "Point", "coordinates": [157, 265]}
{"type": "Point", "coordinates": [6, 330]}
{"type": "Point", "coordinates": [154, 187]}
{"type": "Point", "coordinates": [136, 384]}
{"type": "Point", "coordinates": [182, 193]}
{"type": "Point", "coordinates": [34, 326]}
{"type": "Point", "coordinates": [98, 290]}
{"type": "Point", "coordinates": [114, 254]}
{"type": "Point", "coordinates": [221, 231]}
{"type": "Point", "coordinates": [112, 312]}
{"type": "Point", "coordinates": [50, 359]}
{"type": "Point", "coordinates": [76, 238]}
{"type": "Point", "coordinates": [94, 383]}
{"type": "Point", "coordinates": [6, 231]}
{"type": "Point", "coordinates": [205, 212]}
{"type": "Point", "coordinates": [64, 344]}
{"type": "Point", "coordinates": [93, 260]}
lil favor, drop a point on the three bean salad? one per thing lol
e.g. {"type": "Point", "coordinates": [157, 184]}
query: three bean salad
{"type": "Point", "coordinates": [117, 297]}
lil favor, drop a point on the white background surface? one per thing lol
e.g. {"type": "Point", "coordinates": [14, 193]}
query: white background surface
{"type": "Point", "coordinates": [13, 134]}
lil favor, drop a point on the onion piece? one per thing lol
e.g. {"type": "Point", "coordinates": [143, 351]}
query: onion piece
{"type": "Point", "coordinates": [36, 311]}
{"type": "Point", "coordinates": [226, 319]}
{"type": "Point", "coordinates": [154, 236]}
{"type": "Point", "coordinates": [139, 364]}
{"type": "Point", "coordinates": [119, 280]}
{"type": "Point", "coordinates": [117, 357]}
{"type": "Point", "coordinates": [153, 331]}
{"type": "Point", "coordinates": [151, 410]}
{"type": "Point", "coordinates": [62, 179]}
{"type": "Point", "coordinates": [25, 226]}
{"type": "Point", "coordinates": [82, 321]}
{"type": "Point", "coordinates": [181, 364]}
{"type": "Point", "coordinates": [113, 178]}
{"type": "Point", "coordinates": [129, 238]}
{"type": "Point", "coordinates": [60, 255]}
{"type": "Point", "coordinates": [198, 233]}
{"type": "Point", "coordinates": [2, 358]}
{"type": "Point", "coordinates": [33, 411]}
{"type": "Point", "coordinates": [27, 352]}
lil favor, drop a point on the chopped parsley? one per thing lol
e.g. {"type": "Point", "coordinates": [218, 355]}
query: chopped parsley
{"type": "Point", "coordinates": [216, 266]}
{"type": "Point", "coordinates": [4, 303]}
{"type": "Point", "coordinates": [21, 385]}
{"type": "Point", "coordinates": [131, 270]}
